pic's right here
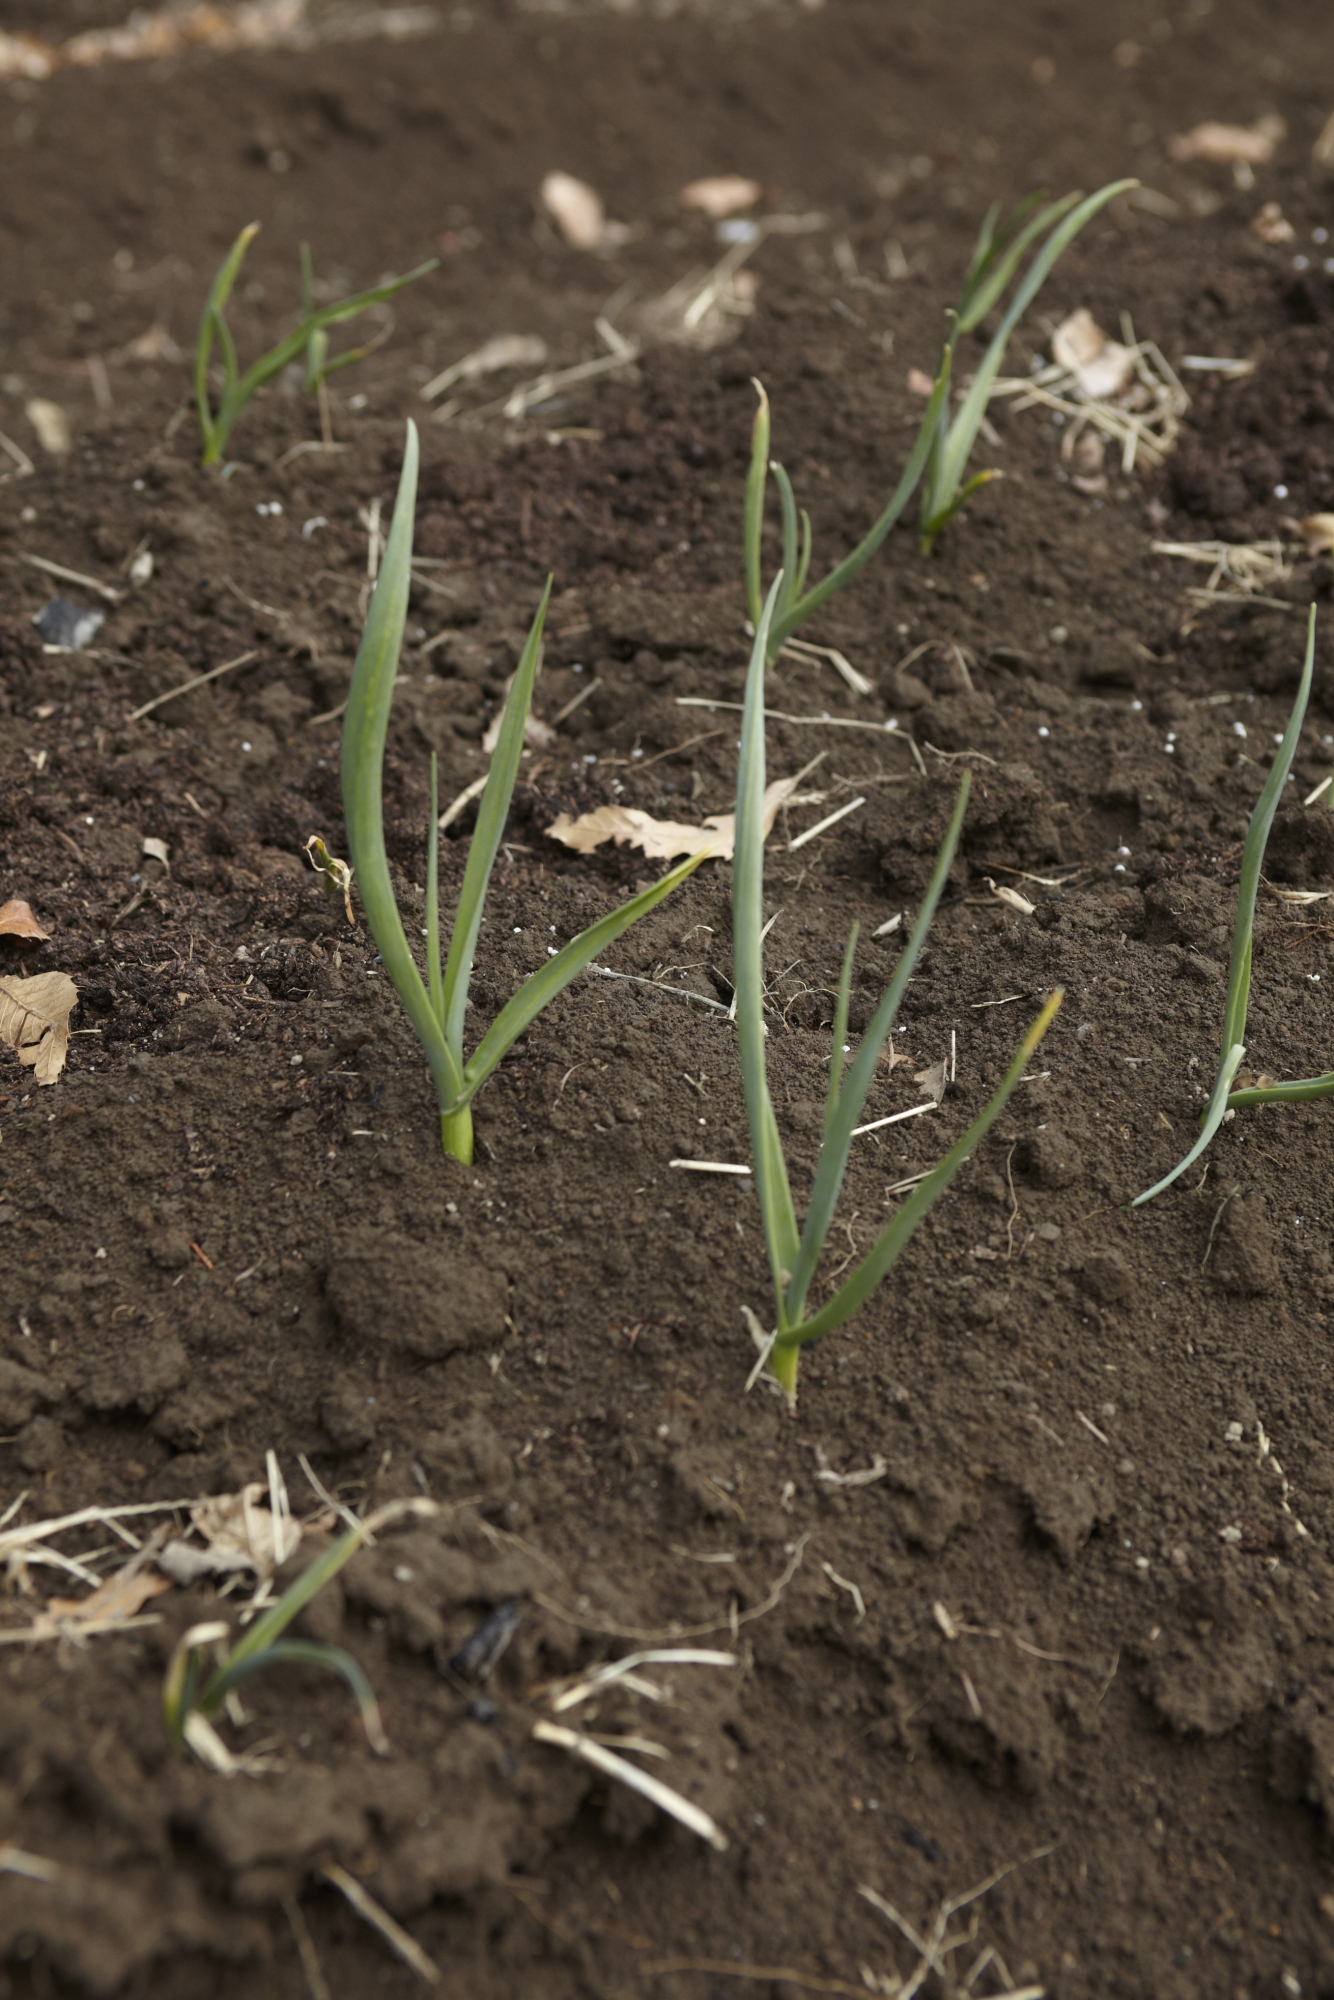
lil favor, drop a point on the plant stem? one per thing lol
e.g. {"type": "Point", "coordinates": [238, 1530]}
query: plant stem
{"type": "Point", "coordinates": [784, 1362]}
{"type": "Point", "coordinates": [456, 1133]}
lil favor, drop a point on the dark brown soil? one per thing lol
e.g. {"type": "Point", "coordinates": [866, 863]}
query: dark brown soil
{"type": "Point", "coordinates": [1097, 1620]}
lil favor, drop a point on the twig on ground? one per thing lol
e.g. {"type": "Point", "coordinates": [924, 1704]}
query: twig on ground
{"type": "Point", "coordinates": [187, 687]}
{"type": "Point", "coordinates": [103, 590]}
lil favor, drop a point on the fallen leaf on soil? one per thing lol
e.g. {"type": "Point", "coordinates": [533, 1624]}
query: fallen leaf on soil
{"type": "Point", "coordinates": [662, 839]}
{"type": "Point", "coordinates": [933, 1080]}
{"type": "Point", "coordinates": [241, 1534]}
{"type": "Point", "coordinates": [578, 213]}
{"type": "Point", "coordinates": [155, 345]}
{"type": "Point", "coordinates": [919, 383]}
{"type": "Point", "coordinates": [156, 850]}
{"type": "Point", "coordinates": [1271, 225]}
{"type": "Point", "coordinates": [1101, 367]}
{"type": "Point", "coordinates": [17, 920]}
{"type": "Point", "coordinates": [34, 1021]}
{"type": "Point", "coordinates": [50, 423]}
{"type": "Point", "coordinates": [1225, 145]}
{"type": "Point", "coordinates": [721, 194]}
{"type": "Point", "coordinates": [121, 1596]}
{"type": "Point", "coordinates": [24, 55]}
{"type": "Point", "coordinates": [1318, 530]}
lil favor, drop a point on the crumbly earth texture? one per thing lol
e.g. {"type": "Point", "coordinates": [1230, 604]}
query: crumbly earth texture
{"type": "Point", "coordinates": [1020, 1586]}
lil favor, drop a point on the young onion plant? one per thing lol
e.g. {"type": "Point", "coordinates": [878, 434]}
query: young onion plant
{"type": "Point", "coordinates": [192, 1695]}
{"type": "Point", "coordinates": [996, 258]}
{"type": "Point", "coordinates": [310, 341]}
{"type": "Point", "coordinates": [436, 1005]}
{"type": "Point", "coordinates": [1223, 1097]}
{"type": "Point", "coordinates": [794, 1252]}
{"type": "Point", "coordinates": [941, 450]}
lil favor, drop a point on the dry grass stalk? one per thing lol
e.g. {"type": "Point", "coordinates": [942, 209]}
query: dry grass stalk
{"type": "Point", "coordinates": [1143, 421]}
{"type": "Point", "coordinates": [1243, 567]}
{"type": "Point", "coordinates": [394, 1935]}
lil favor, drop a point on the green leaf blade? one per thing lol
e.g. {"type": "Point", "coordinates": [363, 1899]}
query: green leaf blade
{"type": "Point", "coordinates": [492, 814]}
{"type": "Point", "coordinates": [833, 1160]}
{"type": "Point", "coordinates": [796, 613]}
{"type": "Point", "coordinates": [771, 1181]}
{"type": "Point", "coordinates": [300, 1652]}
{"type": "Point", "coordinates": [1237, 1003]}
{"type": "Point", "coordinates": [752, 527]}
{"type": "Point", "coordinates": [967, 422]}
{"type": "Point", "coordinates": [210, 323]}
{"type": "Point", "coordinates": [898, 1232]}
{"type": "Point", "coordinates": [365, 728]}
{"type": "Point", "coordinates": [551, 979]}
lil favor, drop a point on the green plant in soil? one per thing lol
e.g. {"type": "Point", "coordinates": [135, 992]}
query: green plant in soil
{"type": "Point", "coordinates": [942, 447]}
{"type": "Point", "coordinates": [796, 603]}
{"type": "Point", "coordinates": [1223, 1097]}
{"type": "Point", "coordinates": [310, 339]}
{"type": "Point", "coordinates": [996, 258]}
{"type": "Point", "coordinates": [436, 1005]}
{"type": "Point", "coordinates": [794, 1252]}
{"type": "Point", "coordinates": [192, 1694]}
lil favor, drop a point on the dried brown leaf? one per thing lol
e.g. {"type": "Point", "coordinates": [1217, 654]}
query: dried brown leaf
{"type": "Point", "coordinates": [121, 1596]}
{"type": "Point", "coordinates": [933, 1079]}
{"type": "Point", "coordinates": [1102, 367]}
{"type": "Point", "coordinates": [576, 209]}
{"type": "Point", "coordinates": [34, 1021]}
{"type": "Point", "coordinates": [1228, 145]}
{"type": "Point", "coordinates": [17, 920]}
{"type": "Point", "coordinates": [1271, 225]}
{"type": "Point", "coordinates": [50, 423]}
{"type": "Point", "coordinates": [663, 839]}
{"type": "Point", "coordinates": [720, 195]}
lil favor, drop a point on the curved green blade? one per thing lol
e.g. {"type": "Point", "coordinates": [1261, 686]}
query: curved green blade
{"type": "Point", "coordinates": [541, 989]}
{"type": "Point", "coordinates": [489, 831]}
{"type": "Point", "coordinates": [861, 1073]}
{"type": "Point", "coordinates": [365, 728]}
{"type": "Point", "coordinates": [897, 1233]}
{"type": "Point", "coordinates": [1243, 932]}
{"type": "Point", "coordinates": [771, 1181]}
{"type": "Point", "coordinates": [302, 1652]}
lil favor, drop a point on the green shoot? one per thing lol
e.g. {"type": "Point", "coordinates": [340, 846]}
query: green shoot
{"type": "Point", "coordinates": [436, 1006]}
{"type": "Point", "coordinates": [795, 603]}
{"type": "Point", "coordinates": [794, 1251]}
{"type": "Point", "coordinates": [310, 339]}
{"type": "Point", "coordinates": [192, 1696]}
{"type": "Point", "coordinates": [1223, 1097]}
{"type": "Point", "coordinates": [942, 447]}
{"type": "Point", "coordinates": [995, 261]}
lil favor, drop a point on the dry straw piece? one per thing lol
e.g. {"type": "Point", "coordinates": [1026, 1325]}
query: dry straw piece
{"type": "Point", "coordinates": [1125, 390]}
